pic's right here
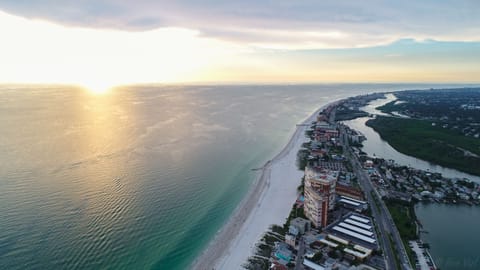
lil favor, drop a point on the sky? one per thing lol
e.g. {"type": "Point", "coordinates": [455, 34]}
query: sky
{"type": "Point", "coordinates": [102, 43]}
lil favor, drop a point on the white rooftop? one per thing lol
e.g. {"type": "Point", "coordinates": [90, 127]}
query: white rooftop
{"type": "Point", "coordinates": [349, 202]}
{"type": "Point", "coordinates": [312, 265]}
{"type": "Point", "coordinates": [358, 224]}
{"type": "Point", "coordinates": [354, 234]}
{"type": "Point", "coordinates": [357, 218]}
{"type": "Point", "coordinates": [356, 229]}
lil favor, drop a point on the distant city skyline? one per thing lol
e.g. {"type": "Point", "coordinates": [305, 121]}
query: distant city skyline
{"type": "Point", "coordinates": [107, 43]}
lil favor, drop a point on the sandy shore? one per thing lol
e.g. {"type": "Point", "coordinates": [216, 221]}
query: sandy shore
{"type": "Point", "coordinates": [268, 202]}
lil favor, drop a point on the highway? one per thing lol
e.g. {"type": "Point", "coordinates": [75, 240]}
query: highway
{"type": "Point", "coordinates": [385, 225]}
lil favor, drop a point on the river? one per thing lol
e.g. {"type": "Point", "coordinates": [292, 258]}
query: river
{"type": "Point", "coordinates": [453, 244]}
{"type": "Point", "coordinates": [375, 146]}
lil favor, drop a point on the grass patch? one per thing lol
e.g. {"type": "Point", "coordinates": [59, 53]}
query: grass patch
{"type": "Point", "coordinates": [388, 108]}
{"type": "Point", "coordinates": [302, 158]}
{"type": "Point", "coordinates": [348, 114]}
{"type": "Point", "coordinates": [294, 213]}
{"type": "Point", "coordinates": [420, 139]}
{"type": "Point", "coordinates": [404, 217]}
{"type": "Point", "coordinates": [404, 220]}
{"type": "Point", "coordinates": [395, 252]}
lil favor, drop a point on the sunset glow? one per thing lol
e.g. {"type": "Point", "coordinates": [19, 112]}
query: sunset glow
{"type": "Point", "coordinates": [98, 58]}
{"type": "Point", "coordinates": [43, 52]}
{"type": "Point", "coordinates": [143, 134]}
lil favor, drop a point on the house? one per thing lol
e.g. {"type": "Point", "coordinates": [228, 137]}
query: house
{"type": "Point", "coordinates": [290, 240]}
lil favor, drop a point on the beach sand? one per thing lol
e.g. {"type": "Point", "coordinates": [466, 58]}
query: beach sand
{"type": "Point", "coordinates": [268, 202]}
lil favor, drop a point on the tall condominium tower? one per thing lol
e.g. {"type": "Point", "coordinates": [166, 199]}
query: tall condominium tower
{"type": "Point", "coordinates": [319, 194]}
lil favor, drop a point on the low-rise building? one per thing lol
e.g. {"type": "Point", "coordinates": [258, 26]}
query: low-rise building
{"type": "Point", "coordinates": [357, 230]}
{"type": "Point", "coordinates": [290, 240]}
{"type": "Point", "coordinates": [282, 253]}
{"type": "Point", "coordinates": [349, 191]}
{"type": "Point", "coordinates": [301, 224]}
{"type": "Point", "coordinates": [293, 230]}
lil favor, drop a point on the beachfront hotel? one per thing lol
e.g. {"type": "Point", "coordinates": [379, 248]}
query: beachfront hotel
{"type": "Point", "coordinates": [319, 194]}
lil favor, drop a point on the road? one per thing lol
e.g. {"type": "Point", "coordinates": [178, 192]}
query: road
{"type": "Point", "coordinates": [300, 253]}
{"type": "Point", "coordinates": [386, 226]}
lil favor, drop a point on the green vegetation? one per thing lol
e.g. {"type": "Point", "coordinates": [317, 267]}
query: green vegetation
{"type": "Point", "coordinates": [467, 184]}
{"type": "Point", "coordinates": [259, 261]}
{"type": "Point", "coordinates": [278, 229]}
{"type": "Point", "coordinates": [355, 144]}
{"type": "Point", "coordinates": [302, 158]}
{"type": "Point", "coordinates": [294, 213]}
{"type": "Point", "coordinates": [404, 217]}
{"type": "Point", "coordinates": [420, 139]}
{"type": "Point", "coordinates": [335, 254]}
{"type": "Point", "coordinates": [395, 252]}
{"type": "Point", "coordinates": [338, 150]}
{"type": "Point", "coordinates": [317, 258]}
{"type": "Point", "coordinates": [388, 108]}
{"type": "Point", "coordinates": [255, 263]}
{"type": "Point", "coordinates": [301, 187]}
{"type": "Point", "coordinates": [348, 114]}
{"type": "Point", "coordinates": [455, 107]}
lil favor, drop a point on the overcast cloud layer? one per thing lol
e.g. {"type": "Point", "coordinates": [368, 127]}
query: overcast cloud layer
{"type": "Point", "coordinates": [273, 24]}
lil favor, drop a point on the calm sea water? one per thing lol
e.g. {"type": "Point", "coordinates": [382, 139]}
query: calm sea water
{"type": "Point", "coordinates": [452, 234]}
{"type": "Point", "coordinates": [138, 178]}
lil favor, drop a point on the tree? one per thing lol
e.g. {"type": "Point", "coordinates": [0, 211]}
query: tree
{"type": "Point", "coordinates": [317, 257]}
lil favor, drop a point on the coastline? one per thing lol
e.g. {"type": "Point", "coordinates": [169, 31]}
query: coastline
{"type": "Point", "coordinates": [268, 201]}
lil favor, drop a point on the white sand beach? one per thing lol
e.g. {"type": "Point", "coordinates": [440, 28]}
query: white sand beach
{"type": "Point", "coordinates": [268, 202]}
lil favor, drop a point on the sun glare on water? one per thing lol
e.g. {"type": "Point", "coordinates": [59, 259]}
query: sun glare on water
{"type": "Point", "coordinates": [97, 88]}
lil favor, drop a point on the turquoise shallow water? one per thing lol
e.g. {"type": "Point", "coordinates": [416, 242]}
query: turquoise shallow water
{"type": "Point", "coordinates": [138, 178]}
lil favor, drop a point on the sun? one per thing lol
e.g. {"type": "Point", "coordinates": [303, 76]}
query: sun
{"type": "Point", "coordinates": [97, 87]}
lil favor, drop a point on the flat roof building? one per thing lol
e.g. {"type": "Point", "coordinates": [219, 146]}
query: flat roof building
{"type": "Point", "coordinates": [358, 224]}
{"type": "Point", "coordinates": [355, 229]}
{"type": "Point", "coordinates": [354, 234]}
{"type": "Point", "coordinates": [301, 224]}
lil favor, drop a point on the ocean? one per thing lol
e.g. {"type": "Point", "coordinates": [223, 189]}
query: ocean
{"type": "Point", "coordinates": [141, 177]}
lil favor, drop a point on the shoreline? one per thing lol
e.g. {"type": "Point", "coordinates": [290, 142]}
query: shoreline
{"type": "Point", "coordinates": [263, 205]}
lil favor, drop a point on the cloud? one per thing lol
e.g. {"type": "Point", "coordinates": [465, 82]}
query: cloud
{"type": "Point", "coordinates": [43, 52]}
{"type": "Point", "coordinates": [273, 24]}
{"type": "Point", "coordinates": [294, 41]}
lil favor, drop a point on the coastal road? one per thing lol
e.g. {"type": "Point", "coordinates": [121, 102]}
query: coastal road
{"type": "Point", "coordinates": [389, 238]}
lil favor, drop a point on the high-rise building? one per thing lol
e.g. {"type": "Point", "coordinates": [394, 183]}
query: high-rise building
{"type": "Point", "coordinates": [319, 194]}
